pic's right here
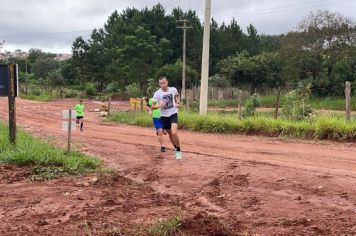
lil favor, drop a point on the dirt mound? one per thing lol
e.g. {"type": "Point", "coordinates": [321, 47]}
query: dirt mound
{"type": "Point", "coordinates": [10, 174]}
{"type": "Point", "coordinates": [230, 179]}
{"type": "Point", "coordinates": [250, 202]}
{"type": "Point", "coordinates": [207, 225]}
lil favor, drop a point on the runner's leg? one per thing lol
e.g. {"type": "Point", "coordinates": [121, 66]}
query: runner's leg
{"type": "Point", "coordinates": [171, 138]}
{"type": "Point", "coordinates": [81, 124]}
{"type": "Point", "coordinates": [160, 137]}
{"type": "Point", "coordinates": [174, 135]}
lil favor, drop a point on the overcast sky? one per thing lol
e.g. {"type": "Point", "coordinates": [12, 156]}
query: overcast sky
{"type": "Point", "coordinates": [53, 25]}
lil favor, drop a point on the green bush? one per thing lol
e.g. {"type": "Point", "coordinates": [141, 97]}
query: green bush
{"type": "Point", "coordinates": [152, 86]}
{"type": "Point", "coordinates": [90, 88]}
{"type": "Point", "coordinates": [36, 92]}
{"type": "Point", "coordinates": [133, 89]}
{"type": "Point", "coordinates": [113, 87]}
{"type": "Point", "coordinates": [194, 105]}
{"type": "Point", "coordinates": [70, 93]}
{"type": "Point", "coordinates": [296, 104]}
{"type": "Point", "coordinates": [251, 104]}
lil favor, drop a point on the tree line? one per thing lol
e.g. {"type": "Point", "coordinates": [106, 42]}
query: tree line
{"type": "Point", "coordinates": [137, 46]}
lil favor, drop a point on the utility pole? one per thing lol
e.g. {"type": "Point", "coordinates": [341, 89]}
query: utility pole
{"type": "Point", "coordinates": [203, 106]}
{"type": "Point", "coordinates": [184, 27]}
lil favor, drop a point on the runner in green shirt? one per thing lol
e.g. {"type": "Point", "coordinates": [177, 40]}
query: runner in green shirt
{"type": "Point", "coordinates": [156, 119]}
{"type": "Point", "coordinates": [79, 109]}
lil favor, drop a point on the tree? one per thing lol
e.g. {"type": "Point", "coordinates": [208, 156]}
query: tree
{"type": "Point", "coordinates": [43, 66]}
{"type": "Point", "coordinates": [56, 79]}
{"type": "Point", "coordinates": [34, 54]}
{"type": "Point", "coordinates": [252, 40]}
{"type": "Point", "coordinates": [68, 72]}
{"type": "Point", "coordinates": [96, 58]}
{"type": "Point", "coordinates": [296, 102]}
{"type": "Point", "coordinates": [325, 41]}
{"type": "Point", "coordinates": [80, 57]}
{"type": "Point", "coordinates": [134, 44]}
{"type": "Point", "coordinates": [252, 72]}
{"type": "Point", "coordinates": [141, 56]}
{"type": "Point", "coordinates": [133, 90]}
{"type": "Point", "coordinates": [174, 74]}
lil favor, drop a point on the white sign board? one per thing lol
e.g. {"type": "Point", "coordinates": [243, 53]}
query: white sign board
{"type": "Point", "coordinates": [65, 125]}
{"type": "Point", "coordinates": [66, 114]}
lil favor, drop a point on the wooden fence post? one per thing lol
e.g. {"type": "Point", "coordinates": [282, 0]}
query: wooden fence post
{"type": "Point", "coordinates": [277, 103]}
{"type": "Point", "coordinates": [12, 104]}
{"type": "Point", "coordinates": [348, 100]}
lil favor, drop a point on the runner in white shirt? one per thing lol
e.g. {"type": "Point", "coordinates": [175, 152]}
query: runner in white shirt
{"type": "Point", "coordinates": [168, 101]}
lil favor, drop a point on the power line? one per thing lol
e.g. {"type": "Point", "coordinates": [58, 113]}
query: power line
{"type": "Point", "coordinates": [277, 9]}
{"type": "Point", "coordinates": [274, 8]}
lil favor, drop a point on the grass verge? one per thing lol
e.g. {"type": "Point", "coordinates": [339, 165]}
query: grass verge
{"type": "Point", "coordinates": [46, 161]}
{"type": "Point", "coordinates": [166, 227]}
{"type": "Point", "coordinates": [327, 103]}
{"type": "Point", "coordinates": [323, 128]}
{"type": "Point", "coordinates": [266, 101]}
{"type": "Point", "coordinates": [40, 98]}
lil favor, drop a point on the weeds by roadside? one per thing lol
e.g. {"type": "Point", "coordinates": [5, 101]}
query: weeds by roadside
{"type": "Point", "coordinates": [46, 161]}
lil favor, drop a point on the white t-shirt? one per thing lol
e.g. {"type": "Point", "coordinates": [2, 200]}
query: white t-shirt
{"type": "Point", "coordinates": [169, 98]}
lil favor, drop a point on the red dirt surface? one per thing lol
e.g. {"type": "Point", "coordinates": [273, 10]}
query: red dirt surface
{"type": "Point", "coordinates": [225, 184]}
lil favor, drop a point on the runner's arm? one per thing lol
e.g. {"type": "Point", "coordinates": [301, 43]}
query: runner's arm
{"type": "Point", "coordinates": [177, 98]}
{"type": "Point", "coordinates": [148, 105]}
{"type": "Point", "coordinates": [155, 105]}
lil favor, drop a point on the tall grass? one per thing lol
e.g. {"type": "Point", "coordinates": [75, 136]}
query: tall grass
{"type": "Point", "coordinates": [329, 128]}
{"type": "Point", "coordinates": [266, 101]}
{"type": "Point", "coordinates": [327, 103]}
{"type": "Point", "coordinates": [223, 103]}
{"type": "Point", "coordinates": [46, 161]}
{"type": "Point", "coordinates": [37, 93]}
{"type": "Point", "coordinates": [41, 98]}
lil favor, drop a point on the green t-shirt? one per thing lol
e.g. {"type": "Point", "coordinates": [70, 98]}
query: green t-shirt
{"type": "Point", "coordinates": [79, 109]}
{"type": "Point", "coordinates": [156, 113]}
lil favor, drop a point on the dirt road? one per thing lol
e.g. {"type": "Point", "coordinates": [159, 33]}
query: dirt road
{"type": "Point", "coordinates": [233, 184]}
